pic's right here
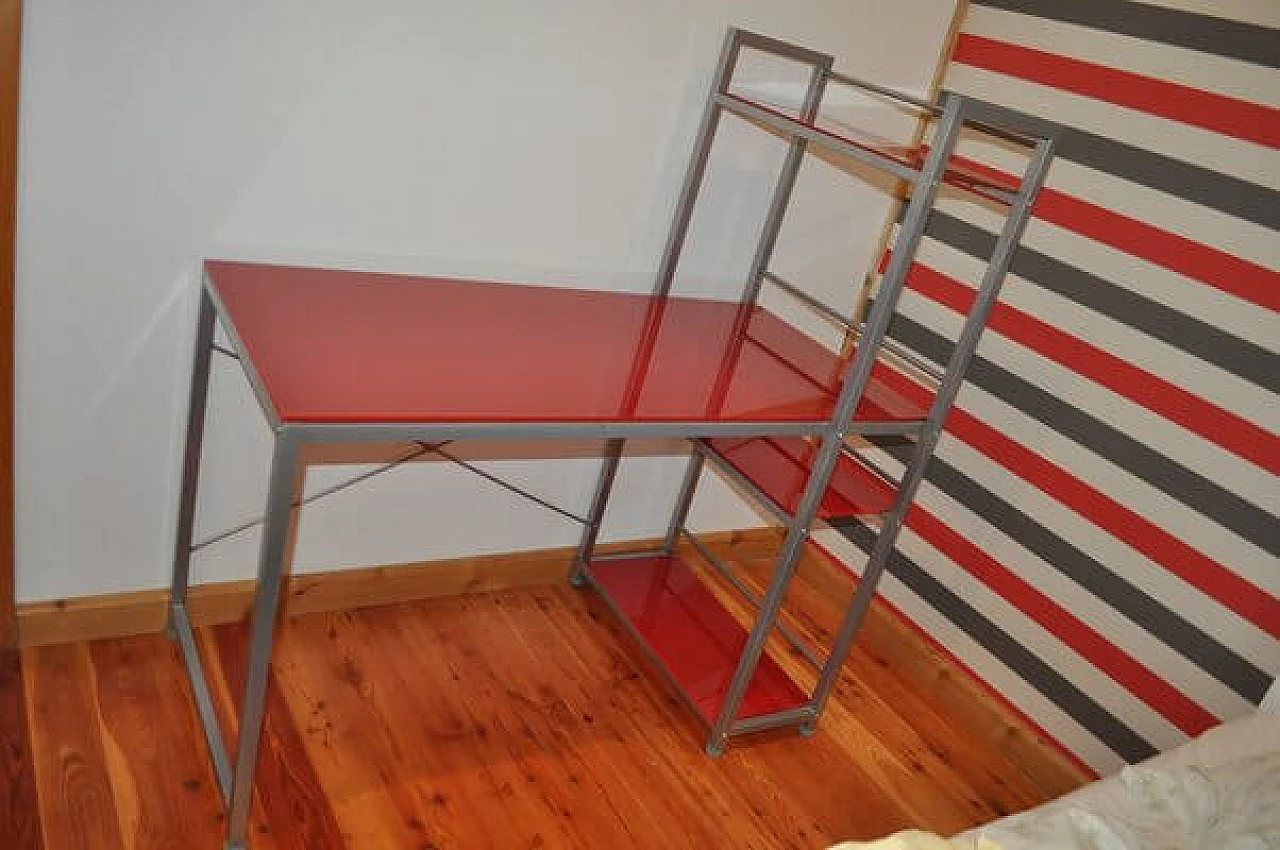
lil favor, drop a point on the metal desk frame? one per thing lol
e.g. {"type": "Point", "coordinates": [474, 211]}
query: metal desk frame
{"type": "Point", "coordinates": [236, 775]}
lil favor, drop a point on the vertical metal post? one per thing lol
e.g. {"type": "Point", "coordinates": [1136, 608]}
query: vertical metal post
{"type": "Point", "coordinates": [684, 500]}
{"type": "Point", "coordinates": [604, 485]}
{"type": "Point", "coordinates": [697, 163]}
{"type": "Point", "coordinates": [786, 182]}
{"type": "Point", "coordinates": [764, 253]}
{"type": "Point", "coordinates": [277, 525]}
{"type": "Point", "coordinates": [196, 407]}
{"type": "Point", "coordinates": [729, 51]}
{"type": "Point", "coordinates": [961, 355]}
{"type": "Point", "coordinates": [859, 375]}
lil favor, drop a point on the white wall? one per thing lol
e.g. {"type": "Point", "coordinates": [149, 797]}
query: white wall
{"type": "Point", "coordinates": [543, 142]}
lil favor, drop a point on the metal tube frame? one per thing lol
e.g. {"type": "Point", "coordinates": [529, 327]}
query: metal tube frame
{"type": "Point", "coordinates": [197, 405]}
{"type": "Point", "coordinates": [599, 502]}
{"type": "Point", "coordinates": [961, 355]}
{"type": "Point", "coordinates": [235, 777]}
{"type": "Point", "coordinates": [786, 181]}
{"type": "Point", "coordinates": [857, 377]}
{"type": "Point", "coordinates": [746, 592]}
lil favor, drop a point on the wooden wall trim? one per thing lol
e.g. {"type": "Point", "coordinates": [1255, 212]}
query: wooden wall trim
{"type": "Point", "coordinates": [115, 615]}
{"type": "Point", "coordinates": [10, 44]}
{"type": "Point", "coordinates": [885, 635]}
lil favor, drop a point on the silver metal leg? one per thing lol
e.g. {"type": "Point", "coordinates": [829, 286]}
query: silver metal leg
{"type": "Point", "coordinates": [191, 456]}
{"type": "Point", "coordinates": [271, 563]}
{"type": "Point", "coordinates": [604, 485]}
{"type": "Point", "coordinates": [786, 183]}
{"type": "Point", "coordinates": [684, 500]}
{"type": "Point", "coordinates": [697, 165]}
{"type": "Point", "coordinates": [798, 532]}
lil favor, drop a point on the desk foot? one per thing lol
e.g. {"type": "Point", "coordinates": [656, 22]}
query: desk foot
{"type": "Point", "coordinates": [807, 729]}
{"type": "Point", "coordinates": [578, 580]}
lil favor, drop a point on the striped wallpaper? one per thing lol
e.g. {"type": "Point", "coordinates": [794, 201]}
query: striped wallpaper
{"type": "Point", "coordinates": [1098, 535]}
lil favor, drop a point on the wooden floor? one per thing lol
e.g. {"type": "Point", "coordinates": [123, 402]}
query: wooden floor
{"type": "Point", "coordinates": [515, 719]}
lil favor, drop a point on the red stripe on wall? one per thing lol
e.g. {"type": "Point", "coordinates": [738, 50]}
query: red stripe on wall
{"type": "Point", "coordinates": [1192, 566]}
{"type": "Point", "coordinates": [1075, 633]}
{"type": "Point", "coordinates": [1234, 433]}
{"type": "Point", "coordinates": [1226, 272]}
{"type": "Point", "coordinates": [1252, 122]}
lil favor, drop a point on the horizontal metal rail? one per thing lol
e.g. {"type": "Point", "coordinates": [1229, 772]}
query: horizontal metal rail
{"type": "Point", "coordinates": [633, 555]}
{"type": "Point", "coordinates": [906, 355]}
{"type": "Point", "coordinates": [934, 109]}
{"type": "Point", "coordinates": [871, 465]}
{"type": "Point", "coordinates": [746, 483]}
{"type": "Point", "coordinates": [927, 105]}
{"type": "Point", "coordinates": [391, 432]}
{"type": "Point", "coordinates": [181, 625]}
{"type": "Point", "coordinates": [777, 720]}
{"type": "Point", "coordinates": [808, 300]}
{"type": "Point", "coordinates": [754, 598]}
{"type": "Point", "coordinates": [778, 47]}
{"type": "Point", "coordinates": [798, 129]}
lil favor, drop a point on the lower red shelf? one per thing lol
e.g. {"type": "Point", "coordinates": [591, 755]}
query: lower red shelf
{"type": "Point", "coordinates": [691, 634]}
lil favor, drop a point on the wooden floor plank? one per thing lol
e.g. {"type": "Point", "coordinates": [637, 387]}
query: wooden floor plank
{"type": "Point", "coordinates": [77, 807]}
{"type": "Point", "coordinates": [383, 738]}
{"type": "Point", "coordinates": [533, 699]}
{"type": "Point", "coordinates": [295, 811]}
{"type": "Point", "coordinates": [597, 736]}
{"type": "Point", "coordinates": [19, 807]}
{"type": "Point", "coordinates": [165, 792]}
{"type": "Point", "coordinates": [513, 719]}
{"type": "Point", "coordinates": [902, 719]}
{"type": "Point", "coordinates": [984, 773]}
{"type": "Point", "coordinates": [880, 742]}
{"type": "Point", "coordinates": [664, 730]}
{"type": "Point", "coordinates": [529, 776]}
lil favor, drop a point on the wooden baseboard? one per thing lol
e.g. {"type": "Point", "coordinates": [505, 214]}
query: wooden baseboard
{"type": "Point", "coordinates": [885, 634]}
{"type": "Point", "coordinates": [141, 612]}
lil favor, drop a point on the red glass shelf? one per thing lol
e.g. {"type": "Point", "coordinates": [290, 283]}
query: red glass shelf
{"type": "Point", "coordinates": [780, 468]}
{"type": "Point", "coordinates": [692, 635]}
{"type": "Point", "coordinates": [357, 347]}
{"type": "Point", "coordinates": [976, 179]}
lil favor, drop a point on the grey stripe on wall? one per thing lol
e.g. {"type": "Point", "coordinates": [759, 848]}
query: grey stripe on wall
{"type": "Point", "coordinates": [1058, 689]}
{"type": "Point", "coordinates": [1200, 648]}
{"type": "Point", "coordinates": [1200, 339]}
{"type": "Point", "coordinates": [1193, 490]}
{"type": "Point", "coordinates": [1234, 39]}
{"type": "Point", "coordinates": [1204, 186]}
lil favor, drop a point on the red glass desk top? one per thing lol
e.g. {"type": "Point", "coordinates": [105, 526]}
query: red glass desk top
{"type": "Point", "coordinates": [358, 347]}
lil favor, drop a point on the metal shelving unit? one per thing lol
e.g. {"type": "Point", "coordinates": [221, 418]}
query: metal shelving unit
{"type": "Point", "coordinates": [339, 356]}
{"type": "Point", "coordinates": [802, 480]}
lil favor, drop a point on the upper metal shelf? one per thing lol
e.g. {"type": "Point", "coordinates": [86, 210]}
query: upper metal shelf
{"type": "Point", "coordinates": [904, 161]}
